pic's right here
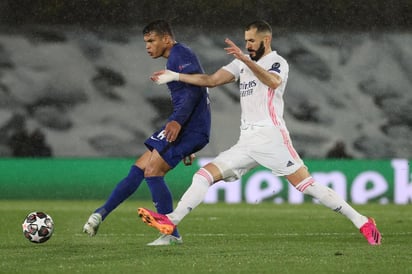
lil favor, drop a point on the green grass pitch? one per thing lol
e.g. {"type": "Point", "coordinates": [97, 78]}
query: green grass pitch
{"type": "Point", "coordinates": [220, 238]}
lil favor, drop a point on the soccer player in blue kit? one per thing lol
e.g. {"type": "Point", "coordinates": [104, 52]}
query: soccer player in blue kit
{"type": "Point", "coordinates": [186, 131]}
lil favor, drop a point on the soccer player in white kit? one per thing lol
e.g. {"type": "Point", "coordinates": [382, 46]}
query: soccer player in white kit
{"type": "Point", "coordinates": [264, 138]}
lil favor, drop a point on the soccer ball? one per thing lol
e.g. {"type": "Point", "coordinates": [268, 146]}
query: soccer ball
{"type": "Point", "coordinates": [38, 227]}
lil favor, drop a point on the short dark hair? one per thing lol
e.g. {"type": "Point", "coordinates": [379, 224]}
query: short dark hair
{"type": "Point", "coordinates": [161, 27]}
{"type": "Point", "coordinates": [260, 25]}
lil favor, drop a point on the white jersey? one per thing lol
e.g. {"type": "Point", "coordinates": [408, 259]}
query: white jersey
{"type": "Point", "coordinates": [264, 139]}
{"type": "Point", "coordinates": [260, 103]}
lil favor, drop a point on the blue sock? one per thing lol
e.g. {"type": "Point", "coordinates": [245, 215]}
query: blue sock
{"type": "Point", "coordinates": [161, 196]}
{"type": "Point", "coordinates": [122, 191]}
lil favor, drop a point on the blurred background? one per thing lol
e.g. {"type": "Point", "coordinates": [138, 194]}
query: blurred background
{"type": "Point", "coordinates": [74, 75]}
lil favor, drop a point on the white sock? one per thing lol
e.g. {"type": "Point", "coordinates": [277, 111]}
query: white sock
{"type": "Point", "coordinates": [193, 196]}
{"type": "Point", "coordinates": [331, 199]}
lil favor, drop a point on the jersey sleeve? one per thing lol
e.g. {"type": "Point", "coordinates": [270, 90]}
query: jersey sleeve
{"type": "Point", "coordinates": [279, 66]}
{"type": "Point", "coordinates": [187, 107]}
{"type": "Point", "coordinates": [185, 96]}
{"type": "Point", "coordinates": [234, 68]}
{"type": "Point", "coordinates": [183, 62]}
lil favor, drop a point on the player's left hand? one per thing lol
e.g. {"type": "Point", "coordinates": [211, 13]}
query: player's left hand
{"type": "Point", "coordinates": [234, 50]}
{"type": "Point", "coordinates": [172, 130]}
{"type": "Point", "coordinates": [188, 160]}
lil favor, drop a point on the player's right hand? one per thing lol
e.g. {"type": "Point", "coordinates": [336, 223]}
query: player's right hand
{"type": "Point", "coordinates": [188, 160]}
{"type": "Point", "coordinates": [172, 130]}
{"type": "Point", "coordinates": [164, 76]}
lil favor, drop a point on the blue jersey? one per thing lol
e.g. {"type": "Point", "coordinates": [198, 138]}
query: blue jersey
{"type": "Point", "coordinates": [191, 109]}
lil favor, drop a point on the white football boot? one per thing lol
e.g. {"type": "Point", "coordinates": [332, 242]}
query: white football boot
{"type": "Point", "coordinates": [165, 239]}
{"type": "Point", "coordinates": [92, 224]}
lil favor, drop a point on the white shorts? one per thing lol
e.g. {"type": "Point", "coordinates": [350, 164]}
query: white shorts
{"type": "Point", "coordinates": [268, 146]}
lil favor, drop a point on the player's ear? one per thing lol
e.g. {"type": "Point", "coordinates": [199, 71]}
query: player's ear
{"type": "Point", "coordinates": [266, 39]}
{"type": "Point", "coordinates": [167, 39]}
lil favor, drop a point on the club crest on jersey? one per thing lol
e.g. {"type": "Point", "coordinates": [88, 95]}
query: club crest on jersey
{"type": "Point", "coordinates": [276, 67]}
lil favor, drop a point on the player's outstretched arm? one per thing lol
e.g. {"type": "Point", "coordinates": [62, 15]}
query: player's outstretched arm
{"type": "Point", "coordinates": [220, 77]}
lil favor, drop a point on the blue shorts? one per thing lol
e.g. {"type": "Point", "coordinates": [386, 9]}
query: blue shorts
{"type": "Point", "coordinates": [187, 143]}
